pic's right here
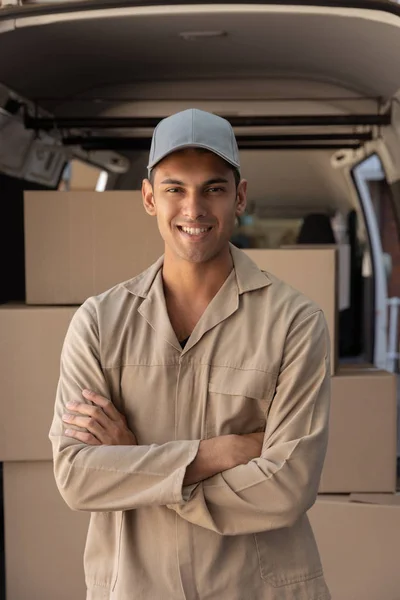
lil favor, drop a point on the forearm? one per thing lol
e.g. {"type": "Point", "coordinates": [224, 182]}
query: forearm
{"type": "Point", "coordinates": [274, 490]}
{"type": "Point", "coordinates": [222, 453]}
{"type": "Point", "coordinates": [268, 493]}
{"type": "Point", "coordinates": [107, 478]}
{"type": "Point", "coordinates": [213, 456]}
{"type": "Point", "coordinates": [114, 478]}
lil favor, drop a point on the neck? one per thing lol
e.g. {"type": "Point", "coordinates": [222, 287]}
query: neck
{"type": "Point", "coordinates": [195, 281]}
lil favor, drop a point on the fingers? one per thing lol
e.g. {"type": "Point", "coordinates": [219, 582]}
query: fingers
{"type": "Point", "coordinates": [89, 423]}
{"type": "Point", "coordinates": [101, 420]}
{"type": "Point", "coordinates": [88, 410]}
{"type": "Point", "coordinates": [83, 436]}
{"type": "Point", "coordinates": [104, 403]}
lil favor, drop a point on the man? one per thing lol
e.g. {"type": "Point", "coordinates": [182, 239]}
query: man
{"type": "Point", "coordinates": [200, 395]}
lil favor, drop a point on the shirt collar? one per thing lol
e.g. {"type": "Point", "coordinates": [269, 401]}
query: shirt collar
{"type": "Point", "coordinates": [248, 275]}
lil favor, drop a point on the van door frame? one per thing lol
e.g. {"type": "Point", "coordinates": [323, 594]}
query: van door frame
{"type": "Point", "coordinates": [360, 173]}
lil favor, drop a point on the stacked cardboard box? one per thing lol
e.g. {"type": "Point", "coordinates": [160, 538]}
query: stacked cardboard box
{"type": "Point", "coordinates": [358, 542]}
{"type": "Point", "coordinates": [44, 539]}
{"type": "Point", "coordinates": [358, 538]}
{"type": "Point", "coordinates": [357, 533]}
{"type": "Point", "coordinates": [312, 272]}
{"type": "Point", "coordinates": [361, 455]}
{"type": "Point", "coordinates": [39, 528]}
{"type": "Point", "coordinates": [83, 177]}
{"type": "Point", "coordinates": [78, 245]}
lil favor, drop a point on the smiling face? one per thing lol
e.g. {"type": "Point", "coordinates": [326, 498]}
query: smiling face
{"type": "Point", "coordinates": [195, 199]}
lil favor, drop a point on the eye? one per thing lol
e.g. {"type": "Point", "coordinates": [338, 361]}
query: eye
{"type": "Point", "coordinates": [215, 190]}
{"type": "Point", "coordinates": [173, 190]}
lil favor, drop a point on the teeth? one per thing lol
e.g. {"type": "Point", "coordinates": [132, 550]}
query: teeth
{"type": "Point", "coordinates": [193, 231]}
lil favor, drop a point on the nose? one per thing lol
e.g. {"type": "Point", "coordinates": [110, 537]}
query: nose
{"type": "Point", "coordinates": [194, 205]}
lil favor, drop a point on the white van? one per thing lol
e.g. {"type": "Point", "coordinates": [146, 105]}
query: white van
{"type": "Point", "coordinates": [312, 90]}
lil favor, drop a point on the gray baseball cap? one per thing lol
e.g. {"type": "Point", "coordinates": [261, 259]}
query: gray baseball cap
{"type": "Point", "coordinates": [194, 128]}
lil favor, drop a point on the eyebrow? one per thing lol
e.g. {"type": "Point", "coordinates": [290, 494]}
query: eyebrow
{"type": "Point", "coordinates": [174, 181]}
{"type": "Point", "coordinates": [208, 182]}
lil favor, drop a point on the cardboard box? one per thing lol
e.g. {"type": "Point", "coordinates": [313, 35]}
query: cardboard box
{"type": "Point", "coordinates": [83, 176]}
{"type": "Point", "coordinates": [44, 539]}
{"type": "Point", "coordinates": [79, 244]}
{"type": "Point", "coordinates": [311, 271]}
{"type": "Point", "coordinates": [353, 366]}
{"type": "Point", "coordinates": [344, 274]}
{"type": "Point", "coordinates": [385, 499]}
{"type": "Point", "coordinates": [359, 546]}
{"type": "Point", "coordinates": [361, 455]}
{"type": "Point", "coordinates": [30, 347]}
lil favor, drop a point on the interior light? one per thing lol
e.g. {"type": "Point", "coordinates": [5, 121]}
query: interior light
{"type": "Point", "coordinates": [192, 36]}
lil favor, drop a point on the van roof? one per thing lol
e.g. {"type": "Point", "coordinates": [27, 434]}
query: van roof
{"type": "Point", "coordinates": [64, 50]}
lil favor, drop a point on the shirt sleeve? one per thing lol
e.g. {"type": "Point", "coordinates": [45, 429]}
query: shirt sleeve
{"type": "Point", "coordinates": [108, 478]}
{"type": "Point", "coordinates": [273, 491]}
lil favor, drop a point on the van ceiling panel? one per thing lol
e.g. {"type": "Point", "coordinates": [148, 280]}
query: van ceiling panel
{"type": "Point", "coordinates": [225, 97]}
{"type": "Point", "coordinates": [234, 96]}
{"type": "Point", "coordinates": [293, 179]}
{"type": "Point", "coordinates": [357, 49]}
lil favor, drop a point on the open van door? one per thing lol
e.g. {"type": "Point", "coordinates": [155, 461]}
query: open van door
{"type": "Point", "coordinates": [361, 171]}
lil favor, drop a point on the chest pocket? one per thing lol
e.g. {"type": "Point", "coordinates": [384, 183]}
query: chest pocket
{"type": "Point", "coordinates": [238, 400]}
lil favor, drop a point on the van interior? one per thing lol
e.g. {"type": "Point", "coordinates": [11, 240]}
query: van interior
{"type": "Point", "coordinates": [304, 86]}
{"type": "Point", "coordinates": [311, 89]}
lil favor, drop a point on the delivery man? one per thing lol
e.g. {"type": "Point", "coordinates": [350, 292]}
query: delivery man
{"type": "Point", "coordinates": [192, 407]}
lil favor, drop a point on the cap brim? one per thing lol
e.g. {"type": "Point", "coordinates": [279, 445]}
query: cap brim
{"type": "Point", "coordinates": [151, 165]}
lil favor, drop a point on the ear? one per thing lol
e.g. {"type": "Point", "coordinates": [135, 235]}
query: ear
{"type": "Point", "coordinates": [241, 198]}
{"type": "Point", "coordinates": [148, 198]}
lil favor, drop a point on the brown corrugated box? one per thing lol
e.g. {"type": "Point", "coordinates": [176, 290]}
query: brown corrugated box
{"type": "Point", "coordinates": [79, 244]}
{"type": "Point", "coordinates": [30, 347]}
{"type": "Point", "coordinates": [312, 272]}
{"type": "Point", "coordinates": [361, 455]}
{"type": "Point", "coordinates": [343, 268]}
{"type": "Point", "coordinates": [359, 545]}
{"type": "Point", "coordinates": [83, 176]}
{"type": "Point", "coordinates": [44, 539]}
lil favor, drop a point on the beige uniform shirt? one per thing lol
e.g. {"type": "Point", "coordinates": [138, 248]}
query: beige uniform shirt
{"type": "Point", "coordinates": [257, 360]}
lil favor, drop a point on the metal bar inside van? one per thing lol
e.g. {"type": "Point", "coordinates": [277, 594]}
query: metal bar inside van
{"type": "Point", "coordinates": [48, 124]}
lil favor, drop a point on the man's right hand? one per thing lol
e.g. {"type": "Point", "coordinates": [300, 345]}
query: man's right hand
{"type": "Point", "coordinates": [222, 453]}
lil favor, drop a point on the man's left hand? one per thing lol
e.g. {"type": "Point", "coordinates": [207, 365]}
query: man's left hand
{"type": "Point", "coordinates": [104, 424]}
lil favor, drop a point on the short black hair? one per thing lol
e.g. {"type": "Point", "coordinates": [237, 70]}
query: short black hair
{"type": "Point", "coordinates": [236, 172]}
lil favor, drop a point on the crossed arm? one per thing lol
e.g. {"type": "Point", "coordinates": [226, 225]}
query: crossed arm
{"type": "Point", "coordinates": [236, 488]}
{"type": "Point", "coordinates": [101, 423]}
